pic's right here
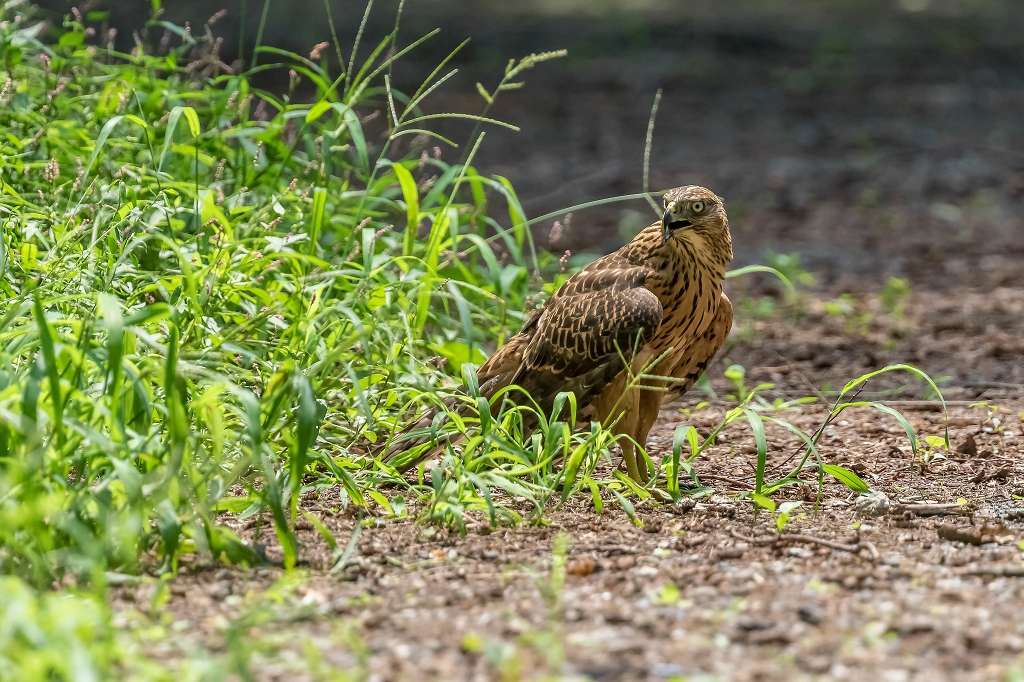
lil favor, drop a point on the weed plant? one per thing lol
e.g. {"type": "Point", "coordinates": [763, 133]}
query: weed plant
{"type": "Point", "coordinates": [217, 299]}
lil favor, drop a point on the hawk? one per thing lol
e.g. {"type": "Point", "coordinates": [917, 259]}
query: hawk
{"type": "Point", "coordinates": [654, 307]}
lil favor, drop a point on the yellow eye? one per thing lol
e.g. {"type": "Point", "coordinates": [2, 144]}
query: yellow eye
{"type": "Point", "coordinates": [697, 207]}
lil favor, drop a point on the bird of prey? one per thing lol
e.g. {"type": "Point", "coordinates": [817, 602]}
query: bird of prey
{"type": "Point", "coordinates": [654, 307]}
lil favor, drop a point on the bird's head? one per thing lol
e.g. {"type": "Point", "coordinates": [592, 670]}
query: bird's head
{"type": "Point", "coordinates": [694, 209]}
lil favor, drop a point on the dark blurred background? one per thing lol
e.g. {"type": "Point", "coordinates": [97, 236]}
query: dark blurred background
{"type": "Point", "coordinates": [872, 137]}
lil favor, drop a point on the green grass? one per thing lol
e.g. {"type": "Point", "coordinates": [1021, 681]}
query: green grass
{"type": "Point", "coordinates": [211, 291]}
{"type": "Point", "coordinates": [217, 299]}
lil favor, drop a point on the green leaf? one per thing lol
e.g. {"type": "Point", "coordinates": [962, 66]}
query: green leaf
{"type": "Point", "coordinates": [751, 269]}
{"type": "Point", "coordinates": [105, 133]}
{"type": "Point", "coordinates": [683, 434]}
{"type": "Point", "coordinates": [483, 92]}
{"type": "Point", "coordinates": [595, 496]}
{"type": "Point", "coordinates": [318, 110]}
{"type": "Point", "coordinates": [172, 125]}
{"type": "Point", "coordinates": [846, 477]}
{"type": "Point", "coordinates": [347, 482]}
{"type": "Point", "coordinates": [785, 510]}
{"type": "Point", "coordinates": [412, 206]}
{"type": "Point", "coordinates": [901, 367]}
{"type": "Point", "coordinates": [317, 219]}
{"type": "Point", "coordinates": [384, 502]}
{"type": "Point", "coordinates": [192, 118]}
{"type": "Point", "coordinates": [757, 427]}
{"type": "Point", "coordinates": [110, 310]}
{"type": "Point", "coordinates": [307, 424]}
{"type": "Point", "coordinates": [46, 343]}
{"type": "Point", "coordinates": [322, 530]}
{"type": "Point", "coordinates": [355, 129]}
{"type": "Point", "coordinates": [627, 507]}
{"type": "Point", "coordinates": [572, 468]}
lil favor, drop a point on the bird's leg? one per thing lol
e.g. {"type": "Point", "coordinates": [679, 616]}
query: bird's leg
{"type": "Point", "coordinates": [648, 405]}
{"type": "Point", "coordinates": [633, 463]}
{"type": "Point", "coordinates": [635, 466]}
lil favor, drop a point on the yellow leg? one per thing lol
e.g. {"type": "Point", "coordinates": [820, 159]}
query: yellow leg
{"type": "Point", "coordinates": [635, 466]}
{"type": "Point", "coordinates": [627, 426]}
{"type": "Point", "coordinates": [633, 412]}
{"type": "Point", "coordinates": [648, 406]}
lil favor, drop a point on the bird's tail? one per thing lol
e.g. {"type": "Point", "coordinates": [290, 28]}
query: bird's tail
{"type": "Point", "coordinates": [409, 446]}
{"type": "Point", "coordinates": [420, 440]}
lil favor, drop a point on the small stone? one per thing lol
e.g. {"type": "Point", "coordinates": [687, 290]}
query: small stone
{"type": "Point", "coordinates": [623, 563]}
{"type": "Point", "coordinates": [969, 446]}
{"type": "Point", "coordinates": [694, 540]}
{"type": "Point", "coordinates": [582, 566]}
{"type": "Point", "coordinates": [810, 614]}
{"type": "Point", "coordinates": [734, 552]}
{"type": "Point", "coordinates": [874, 503]}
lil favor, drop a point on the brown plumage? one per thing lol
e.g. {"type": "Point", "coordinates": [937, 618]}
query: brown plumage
{"type": "Point", "coordinates": [655, 306]}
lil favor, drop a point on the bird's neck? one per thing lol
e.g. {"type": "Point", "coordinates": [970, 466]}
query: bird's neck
{"type": "Point", "coordinates": [697, 252]}
{"type": "Point", "coordinates": [713, 252]}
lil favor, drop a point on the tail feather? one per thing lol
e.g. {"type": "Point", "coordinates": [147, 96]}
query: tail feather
{"type": "Point", "coordinates": [501, 370]}
{"type": "Point", "coordinates": [403, 450]}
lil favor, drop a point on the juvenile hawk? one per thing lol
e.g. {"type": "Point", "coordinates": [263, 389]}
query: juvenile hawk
{"type": "Point", "coordinates": [655, 306]}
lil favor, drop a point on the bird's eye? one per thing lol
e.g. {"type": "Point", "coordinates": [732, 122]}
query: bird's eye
{"type": "Point", "coordinates": [697, 206]}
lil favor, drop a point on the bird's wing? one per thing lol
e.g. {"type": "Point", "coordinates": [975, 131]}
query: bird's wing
{"type": "Point", "coordinates": [587, 333]}
{"type": "Point", "coordinates": [608, 274]}
{"type": "Point", "coordinates": [579, 341]}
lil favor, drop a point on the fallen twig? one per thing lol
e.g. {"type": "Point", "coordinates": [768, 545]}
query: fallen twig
{"type": "Point", "coordinates": [744, 485]}
{"type": "Point", "coordinates": [797, 537]}
{"type": "Point", "coordinates": [976, 535]}
{"type": "Point", "coordinates": [929, 509]}
{"type": "Point", "coordinates": [810, 539]}
{"type": "Point", "coordinates": [877, 503]}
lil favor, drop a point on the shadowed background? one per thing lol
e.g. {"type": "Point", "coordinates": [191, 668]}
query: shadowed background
{"type": "Point", "coordinates": [870, 137]}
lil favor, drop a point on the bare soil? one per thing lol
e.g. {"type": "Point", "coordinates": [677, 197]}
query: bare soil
{"type": "Point", "coordinates": [702, 590]}
{"type": "Point", "coordinates": [887, 147]}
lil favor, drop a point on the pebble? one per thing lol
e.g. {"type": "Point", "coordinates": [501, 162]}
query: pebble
{"type": "Point", "coordinates": [582, 566]}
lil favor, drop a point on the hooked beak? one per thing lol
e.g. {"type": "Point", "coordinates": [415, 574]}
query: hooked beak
{"type": "Point", "coordinates": [668, 224]}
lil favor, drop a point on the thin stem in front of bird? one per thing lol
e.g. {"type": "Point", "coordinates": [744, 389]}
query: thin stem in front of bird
{"type": "Point", "coordinates": [648, 143]}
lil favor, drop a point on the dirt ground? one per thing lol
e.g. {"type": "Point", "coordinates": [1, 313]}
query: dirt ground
{"type": "Point", "coordinates": [705, 589]}
{"type": "Point", "coordinates": [701, 591]}
{"type": "Point", "coordinates": [883, 156]}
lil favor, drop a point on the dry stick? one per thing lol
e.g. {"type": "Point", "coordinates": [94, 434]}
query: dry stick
{"type": "Point", "coordinates": [871, 549]}
{"type": "Point", "coordinates": [993, 384]}
{"type": "Point", "coordinates": [880, 395]}
{"type": "Point", "coordinates": [810, 539]}
{"type": "Point", "coordinates": [964, 535]}
{"type": "Point", "coordinates": [715, 477]}
{"type": "Point", "coordinates": [925, 509]}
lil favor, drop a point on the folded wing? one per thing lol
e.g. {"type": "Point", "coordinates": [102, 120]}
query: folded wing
{"type": "Point", "coordinates": [582, 340]}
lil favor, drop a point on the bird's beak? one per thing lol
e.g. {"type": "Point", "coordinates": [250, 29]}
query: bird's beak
{"type": "Point", "coordinates": [668, 224]}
